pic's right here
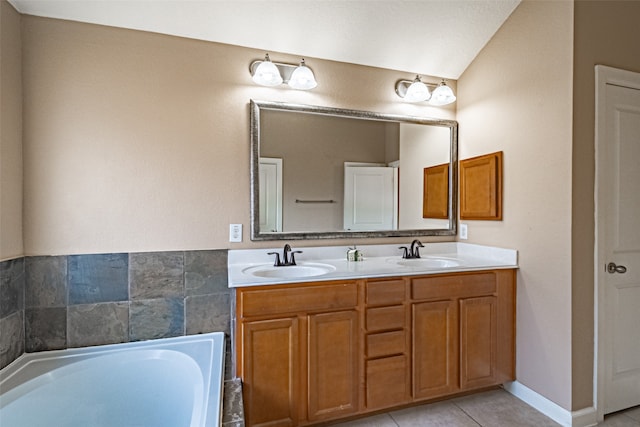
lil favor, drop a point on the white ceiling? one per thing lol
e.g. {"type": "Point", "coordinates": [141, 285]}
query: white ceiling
{"type": "Point", "coordinates": [432, 37]}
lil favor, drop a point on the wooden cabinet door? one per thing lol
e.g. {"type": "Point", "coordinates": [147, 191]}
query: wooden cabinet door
{"type": "Point", "coordinates": [271, 372]}
{"type": "Point", "coordinates": [387, 382]}
{"type": "Point", "coordinates": [332, 365]}
{"type": "Point", "coordinates": [435, 349]}
{"type": "Point", "coordinates": [478, 342]}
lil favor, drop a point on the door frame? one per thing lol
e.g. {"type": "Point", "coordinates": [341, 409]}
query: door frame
{"type": "Point", "coordinates": [277, 162]}
{"type": "Point", "coordinates": [603, 76]}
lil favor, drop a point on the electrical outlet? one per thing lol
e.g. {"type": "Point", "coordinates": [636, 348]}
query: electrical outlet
{"type": "Point", "coordinates": [235, 233]}
{"type": "Point", "coordinates": [463, 231]}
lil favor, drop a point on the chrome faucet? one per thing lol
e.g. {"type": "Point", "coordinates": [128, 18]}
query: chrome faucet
{"type": "Point", "coordinates": [413, 251]}
{"type": "Point", "coordinates": [288, 257]}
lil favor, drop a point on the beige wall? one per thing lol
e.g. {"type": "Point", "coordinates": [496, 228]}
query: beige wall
{"type": "Point", "coordinates": [140, 142]}
{"type": "Point", "coordinates": [10, 134]}
{"type": "Point", "coordinates": [606, 32]}
{"type": "Point", "coordinates": [516, 98]}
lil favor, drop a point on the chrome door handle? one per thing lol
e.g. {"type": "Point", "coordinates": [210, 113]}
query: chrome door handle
{"type": "Point", "coordinates": [613, 268]}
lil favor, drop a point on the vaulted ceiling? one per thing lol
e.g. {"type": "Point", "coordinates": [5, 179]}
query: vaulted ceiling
{"type": "Point", "coordinates": [432, 37]}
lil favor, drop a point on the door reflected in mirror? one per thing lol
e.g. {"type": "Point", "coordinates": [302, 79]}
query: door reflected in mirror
{"type": "Point", "coordinates": [321, 172]}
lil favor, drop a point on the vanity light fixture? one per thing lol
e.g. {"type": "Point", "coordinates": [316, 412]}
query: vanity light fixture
{"type": "Point", "coordinates": [442, 95]}
{"type": "Point", "coordinates": [267, 73]}
{"type": "Point", "coordinates": [418, 91]}
{"type": "Point", "coordinates": [302, 77]}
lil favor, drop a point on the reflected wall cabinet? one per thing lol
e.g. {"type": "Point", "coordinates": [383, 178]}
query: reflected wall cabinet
{"type": "Point", "coordinates": [435, 199]}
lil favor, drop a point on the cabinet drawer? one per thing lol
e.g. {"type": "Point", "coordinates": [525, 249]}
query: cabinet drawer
{"type": "Point", "coordinates": [266, 301]}
{"type": "Point", "coordinates": [385, 292]}
{"type": "Point", "coordinates": [384, 318]}
{"type": "Point", "coordinates": [385, 344]}
{"type": "Point", "coordinates": [453, 286]}
{"type": "Point", "coordinates": [387, 383]}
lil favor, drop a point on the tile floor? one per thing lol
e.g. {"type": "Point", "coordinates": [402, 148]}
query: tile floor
{"type": "Point", "coordinates": [494, 408]}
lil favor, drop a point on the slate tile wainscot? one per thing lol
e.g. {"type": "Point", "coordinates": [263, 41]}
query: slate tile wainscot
{"type": "Point", "coordinates": [58, 302]}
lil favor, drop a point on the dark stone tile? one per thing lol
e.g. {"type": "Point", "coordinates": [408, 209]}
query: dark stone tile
{"type": "Point", "coordinates": [156, 318]}
{"type": "Point", "coordinates": [208, 313]}
{"type": "Point", "coordinates": [11, 338]}
{"type": "Point", "coordinates": [11, 286]}
{"type": "Point", "coordinates": [97, 324]}
{"type": "Point", "coordinates": [98, 278]}
{"type": "Point", "coordinates": [45, 328]}
{"type": "Point", "coordinates": [156, 275]}
{"type": "Point", "coordinates": [232, 407]}
{"type": "Point", "coordinates": [229, 368]}
{"type": "Point", "coordinates": [205, 272]}
{"type": "Point", "coordinates": [46, 281]}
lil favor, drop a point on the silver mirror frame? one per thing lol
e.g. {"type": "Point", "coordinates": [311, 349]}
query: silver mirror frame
{"type": "Point", "coordinates": [256, 235]}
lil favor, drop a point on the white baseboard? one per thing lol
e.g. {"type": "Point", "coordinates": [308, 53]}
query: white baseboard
{"type": "Point", "coordinates": [582, 418]}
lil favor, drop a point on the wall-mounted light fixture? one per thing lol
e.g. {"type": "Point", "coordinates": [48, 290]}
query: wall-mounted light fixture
{"type": "Point", "coordinates": [267, 73]}
{"type": "Point", "coordinates": [418, 91]}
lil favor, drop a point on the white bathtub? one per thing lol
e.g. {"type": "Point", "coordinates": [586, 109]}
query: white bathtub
{"type": "Point", "coordinates": [169, 382]}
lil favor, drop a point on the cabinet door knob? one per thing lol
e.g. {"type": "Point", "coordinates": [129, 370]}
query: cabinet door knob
{"type": "Point", "coordinates": [613, 268]}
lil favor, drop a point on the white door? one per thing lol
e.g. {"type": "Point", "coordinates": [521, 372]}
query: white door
{"type": "Point", "coordinates": [618, 242]}
{"type": "Point", "coordinates": [370, 195]}
{"type": "Point", "coordinates": [270, 199]}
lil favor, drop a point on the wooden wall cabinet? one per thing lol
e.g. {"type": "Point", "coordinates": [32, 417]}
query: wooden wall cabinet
{"type": "Point", "coordinates": [481, 187]}
{"type": "Point", "coordinates": [314, 352]}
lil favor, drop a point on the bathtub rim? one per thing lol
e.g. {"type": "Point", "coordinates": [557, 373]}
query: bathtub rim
{"type": "Point", "coordinates": [45, 361]}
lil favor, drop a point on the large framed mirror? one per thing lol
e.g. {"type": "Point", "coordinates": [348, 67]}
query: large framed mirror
{"type": "Point", "coordinates": [320, 173]}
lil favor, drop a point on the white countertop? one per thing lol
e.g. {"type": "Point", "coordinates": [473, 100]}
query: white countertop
{"type": "Point", "coordinates": [379, 261]}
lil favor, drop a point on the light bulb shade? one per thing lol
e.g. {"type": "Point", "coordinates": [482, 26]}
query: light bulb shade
{"type": "Point", "coordinates": [417, 92]}
{"type": "Point", "coordinates": [442, 95]}
{"type": "Point", "coordinates": [267, 74]}
{"type": "Point", "coordinates": [302, 78]}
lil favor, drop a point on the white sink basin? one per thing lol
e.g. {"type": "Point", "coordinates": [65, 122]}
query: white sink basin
{"type": "Point", "coordinates": [427, 262]}
{"type": "Point", "coordinates": [301, 270]}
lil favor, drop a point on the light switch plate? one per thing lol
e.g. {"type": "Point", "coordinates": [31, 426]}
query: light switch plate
{"type": "Point", "coordinates": [463, 231]}
{"type": "Point", "coordinates": [235, 233]}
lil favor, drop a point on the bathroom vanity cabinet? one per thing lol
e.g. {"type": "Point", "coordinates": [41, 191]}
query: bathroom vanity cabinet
{"type": "Point", "coordinates": [298, 352]}
{"type": "Point", "coordinates": [463, 332]}
{"type": "Point", "coordinates": [317, 351]}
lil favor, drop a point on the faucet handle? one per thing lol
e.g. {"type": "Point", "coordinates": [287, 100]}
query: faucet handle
{"type": "Point", "coordinates": [277, 263]}
{"type": "Point", "coordinates": [416, 251]}
{"type": "Point", "coordinates": [292, 260]}
{"type": "Point", "coordinates": [405, 252]}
